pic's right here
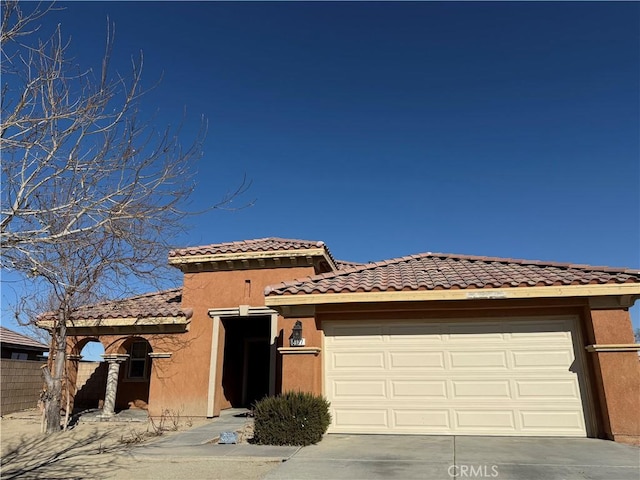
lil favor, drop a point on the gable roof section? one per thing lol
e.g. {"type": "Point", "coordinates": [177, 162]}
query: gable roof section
{"type": "Point", "coordinates": [9, 337]}
{"type": "Point", "coordinates": [271, 247]}
{"type": "Point", "coordinates": [160, 306]}
{"type": "Point", "coordinates": [258, 245]}
{"type": "Point", "coordinates": [433, 272]}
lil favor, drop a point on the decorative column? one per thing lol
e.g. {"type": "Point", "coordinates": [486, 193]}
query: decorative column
{"type": "Point", "coordinates": [114, 360]}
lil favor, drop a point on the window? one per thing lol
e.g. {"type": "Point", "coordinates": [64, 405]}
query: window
{"type": "Point", "coordinates": [19, 356]}
{"type": "Point", "coordinates": [138, 360]}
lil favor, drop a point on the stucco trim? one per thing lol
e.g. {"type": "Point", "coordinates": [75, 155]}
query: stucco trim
{"type": "Point", "coordinates": [160, 354]}
{"type": "Point", "coordinates": [299, 350]}
{"type": "Point", "coordinates": [458, 294]}
{"type": "Point", "coordinates": [273, 344]}
{"type": "Point", "coordinates": [241, 311]}
{"type": "Point", "coordinates": [623, 347]}
{"type": "Point", "coordinates": [115, 357]}
{"type": "Point", "coordinates": [213, 366]}
{"type": "Point", "coordinates": [120, 322]}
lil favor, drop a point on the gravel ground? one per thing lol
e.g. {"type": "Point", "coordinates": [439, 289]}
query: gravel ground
{"type": "Point", "coordinates": [97, 451]}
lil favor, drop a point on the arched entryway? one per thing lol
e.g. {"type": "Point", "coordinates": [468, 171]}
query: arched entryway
{"type": "Point", "coordinates": [135, 374]}
{"type": "Point", "coordinates": [91, 375]}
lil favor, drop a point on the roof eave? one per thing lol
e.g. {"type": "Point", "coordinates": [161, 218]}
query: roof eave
{"type": "Point", "coordinates": [43, 348]}
{"type": "Point", "coordinates": [631, 292]}
{"type": "Point", "coordinates": [120, 322]}
{"type": "Point", "coordinates": [225, 257]}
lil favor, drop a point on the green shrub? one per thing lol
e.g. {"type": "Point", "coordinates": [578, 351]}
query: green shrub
{"type": "Point", "coordinates": [293, 418]}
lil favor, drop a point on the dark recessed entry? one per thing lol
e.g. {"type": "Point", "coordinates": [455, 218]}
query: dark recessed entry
{"type": "Point", "coordinates": [245, 371]}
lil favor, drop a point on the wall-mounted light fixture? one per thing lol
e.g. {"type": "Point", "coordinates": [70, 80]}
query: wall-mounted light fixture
{"type": "Point", "coordinates": [296, 339]}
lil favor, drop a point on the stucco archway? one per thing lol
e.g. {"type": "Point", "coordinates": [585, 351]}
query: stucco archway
{"type": "Point", "coordinates": [135, 373]}
{"type": "Point", "coordinates": [90, 371]}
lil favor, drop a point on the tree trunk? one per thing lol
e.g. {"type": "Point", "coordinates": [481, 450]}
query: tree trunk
{"type": "Point", "coordinates": [52, 410]}
{"type": "Point", "coordinates": [53, 395]}
{"type": "Point", "coordinates": [68, 398]}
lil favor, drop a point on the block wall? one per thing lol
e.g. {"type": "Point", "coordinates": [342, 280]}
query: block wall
{"type": "Point", "coordinates": [20, 384]}
{"type": "Point", "coordinates": [91, 384]}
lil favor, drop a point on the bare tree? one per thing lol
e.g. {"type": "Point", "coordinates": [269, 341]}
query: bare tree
{"type": "Point", "coordinates": [91, 193]}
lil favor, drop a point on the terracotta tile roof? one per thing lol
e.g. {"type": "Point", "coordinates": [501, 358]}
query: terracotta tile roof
{"type": "Point", "coordinates": [342, 264]}
{"type": "Point", "coordinates": [166, 303]}
{"type": "Point", "coordinates": [258, 245]}
{"type": "Point", "coordinates": [434, 271]}
{"type": "Point", "coordinates": [14, 338]}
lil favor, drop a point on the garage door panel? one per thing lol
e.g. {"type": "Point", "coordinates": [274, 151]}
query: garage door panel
{"type": "Point", "coordinates": [528, 389]}
{"type": "Point", "coordinates": [483, 420]}
{"type": "Point", "coordinates": [544, 420]}
{"type": "Point", "coordinates": [431, 360]}
{"type": "Point", "coordinates": [361, 419]}
{"type": "Point", "coordinates": [423, 420]}
{"type": "Point", "coordinates": [371, 389]}
{"type": "Point", "coordinates": [548, 359]}
{"type": "Point", "coordinates": [359, 360]}
{"type": "Point", "coordinates": [478, 360]}
{"type": "Point", "coordinates": [433, 378]}
{"type": "Point", "coordinates": [481, 389]}
{"type": "Point", "coordinates": [418, 389]}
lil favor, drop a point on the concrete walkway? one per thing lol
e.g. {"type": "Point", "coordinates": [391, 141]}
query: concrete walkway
{"type": "Point", "coordinates": [378, 457]}
{"type": "Point", "coordinates": [372, 457]}
{"type": "Point", "coordinates": [202, 442]}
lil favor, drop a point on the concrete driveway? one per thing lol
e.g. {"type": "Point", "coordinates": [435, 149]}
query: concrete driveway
{"type": "Point", "coordinates": [371, 457]}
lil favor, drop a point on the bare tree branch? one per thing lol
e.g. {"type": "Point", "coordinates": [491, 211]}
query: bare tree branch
{"type": "Point", "coordinates": [92, 193]}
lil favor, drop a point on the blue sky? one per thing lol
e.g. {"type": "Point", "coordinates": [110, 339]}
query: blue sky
{"type": "Point", "coordinates": [387, 129]}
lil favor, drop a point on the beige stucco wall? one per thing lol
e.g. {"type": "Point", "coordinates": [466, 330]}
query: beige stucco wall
{"type": "Point", "coordinates": [302, 371]}
{"type": "Point", "coordinates": [616, 376]}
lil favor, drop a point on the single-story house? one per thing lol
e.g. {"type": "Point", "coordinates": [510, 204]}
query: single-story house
{"type": "Point", "coordinates": [425, 344]}
{"type": "Point", "coordinates": [15, 346]}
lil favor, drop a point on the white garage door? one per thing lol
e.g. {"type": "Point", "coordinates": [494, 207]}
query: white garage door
{"type": "Point", "coordinates": [499, 377]}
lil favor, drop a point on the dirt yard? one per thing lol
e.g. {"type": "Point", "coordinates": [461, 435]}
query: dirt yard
{"type": "Point", "coordinates": [105, 451]}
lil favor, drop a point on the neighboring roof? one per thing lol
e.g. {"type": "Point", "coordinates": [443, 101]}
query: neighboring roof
{"type": "Point", "coordinates": [14, 338]}
{"type": "Point", "coordinates": [441, 271]}
{"type": "Point", "coordinates": [164, 304]}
